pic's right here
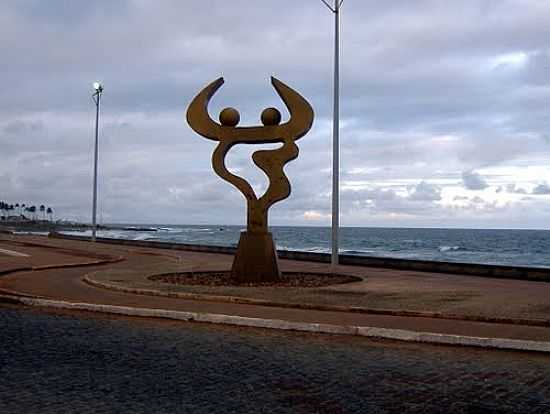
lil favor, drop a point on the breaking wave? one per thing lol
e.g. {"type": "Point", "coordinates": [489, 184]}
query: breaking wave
{"type": "Point", "coordinates": [445, 249]}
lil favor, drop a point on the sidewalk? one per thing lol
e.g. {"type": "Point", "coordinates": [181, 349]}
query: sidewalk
{"type": "Point", "coordinates": [510, 300]}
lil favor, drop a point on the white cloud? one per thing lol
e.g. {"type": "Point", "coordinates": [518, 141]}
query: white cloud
{"type": "Point", "coordinates": [541, 189]}
{"type": "Point", "coordinates": [515, 59]}
{"type": "Point", "coordinates": [511, 188]}
{"type": "Point", "coordinates": [425, 192]}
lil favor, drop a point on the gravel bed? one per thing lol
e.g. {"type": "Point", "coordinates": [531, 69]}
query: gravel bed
{"type": "Point", "coordinates": [288, 279]}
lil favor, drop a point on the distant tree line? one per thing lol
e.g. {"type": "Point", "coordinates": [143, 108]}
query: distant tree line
{"type": "Point", "coordinates": [24, 212]}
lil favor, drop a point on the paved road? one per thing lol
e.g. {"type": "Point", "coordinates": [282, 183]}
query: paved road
{"type": "Point", "coordinates": [61, 362]}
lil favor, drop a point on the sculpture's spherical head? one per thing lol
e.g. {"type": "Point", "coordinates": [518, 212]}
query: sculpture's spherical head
{"type": "Point", "coordinates": [271, 116]}
{"type": "Point", "coordinates": [229, 117]}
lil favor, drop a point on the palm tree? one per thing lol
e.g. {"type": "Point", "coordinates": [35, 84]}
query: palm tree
{"type": "Point", "coordinates": [32, 209]}
{"type": "Point", "coordinates": [43, 211]}
{"type": "Point", "coordinates": [49, 211]}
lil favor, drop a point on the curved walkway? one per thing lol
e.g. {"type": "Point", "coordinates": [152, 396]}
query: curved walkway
{"type": "Point", "coordinates": [66, 285]}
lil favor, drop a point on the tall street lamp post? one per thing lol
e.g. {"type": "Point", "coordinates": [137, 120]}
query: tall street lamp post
{"type": "Point", "coordinates": [98, 88]}
{"type": "Point", "coordinates": [335, 9]}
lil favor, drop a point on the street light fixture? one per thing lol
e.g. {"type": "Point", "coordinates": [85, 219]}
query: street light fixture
{"type": "Point", "coordinates": [98, 88]}
{"type": "Point", "coordinates": [335, 133]}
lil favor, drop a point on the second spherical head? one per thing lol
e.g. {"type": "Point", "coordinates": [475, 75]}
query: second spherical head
{"type": "Point", "coordinates": [229, 117]}
{"type": "Point", "coordinates": [271, 116]}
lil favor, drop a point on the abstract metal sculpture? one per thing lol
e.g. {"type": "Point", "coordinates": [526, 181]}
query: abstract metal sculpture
{"type": "Point", "coordinates": [256, 257]}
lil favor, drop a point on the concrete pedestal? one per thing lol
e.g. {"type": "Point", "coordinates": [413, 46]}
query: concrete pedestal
{"type": "Point", "coordinates": [256, 259]}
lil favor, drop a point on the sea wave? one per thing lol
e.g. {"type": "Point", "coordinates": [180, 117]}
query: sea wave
{"type": "Point", "coordinates": [138, 228]}
{"type": "Point", "coordinates": [32, 233]}
{"type": "Point", "coordinates": [314, 249]}
{"type": "Point", "coordinates": [195, 230]}
{"type": "Point", "coordinates": [144, 237]}
{"type": "Point", "coordinates": [445, 249]}
{"type": "Point", "coordinates": [168, 229]}
{"type": "Point", "coordinates": [357, 251]}
{"type": "Point", "coordinates": [505, 247]}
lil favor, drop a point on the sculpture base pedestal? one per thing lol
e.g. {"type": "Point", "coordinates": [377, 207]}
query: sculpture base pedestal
{"type": "Point", "coordinates": [256, 259]}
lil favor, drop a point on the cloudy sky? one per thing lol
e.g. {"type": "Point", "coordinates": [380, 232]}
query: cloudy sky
{"type": "Point", "coordinates": [445, 108]}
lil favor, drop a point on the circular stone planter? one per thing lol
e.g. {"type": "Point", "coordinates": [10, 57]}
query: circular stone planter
{"type": "Point", "coordinates": [288, 279]}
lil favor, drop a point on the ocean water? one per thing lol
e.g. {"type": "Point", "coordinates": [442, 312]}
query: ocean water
{"type": "Point", "coordinates": [503, 247]}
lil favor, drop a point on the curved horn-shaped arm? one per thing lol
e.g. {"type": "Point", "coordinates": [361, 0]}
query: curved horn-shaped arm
{"type": "Point", "coordinates": [301, 118]}
{"type": "Point", "coordinates": [197, 112]}
{"type": "Point", "coordinates": [301, 112]}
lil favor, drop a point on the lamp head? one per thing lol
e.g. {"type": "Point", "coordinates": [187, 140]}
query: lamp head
{"type": "Point", "coordinates": [98, 87]}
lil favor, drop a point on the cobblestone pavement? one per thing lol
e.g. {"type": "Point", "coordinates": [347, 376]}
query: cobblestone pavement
{"type": "Point", "coordinates": [77, 362]}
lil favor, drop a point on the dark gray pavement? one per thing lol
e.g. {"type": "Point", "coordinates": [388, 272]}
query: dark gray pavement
{"type": "Point", "coordinates": [72, 362]}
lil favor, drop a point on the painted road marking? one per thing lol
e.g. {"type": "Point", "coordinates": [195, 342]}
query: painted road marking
{"type": "Point", "coordinates": [13, 253]}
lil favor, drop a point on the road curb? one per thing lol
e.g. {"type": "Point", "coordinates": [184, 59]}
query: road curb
{"type": "Point", "coordinates": [15, 270]}
{"type": "Point", "coordinates": [96, 259]}
{"type": "Point", "coordinates": [62, 266]}
{"type": "Point", "coordinates": [9, 292]}
{"type": "Point", "coordinates": [307, 306]}
{"type": "Point", "coordinates": [79, 264]}
{"type": "Point", "coordinates": [364, 331]}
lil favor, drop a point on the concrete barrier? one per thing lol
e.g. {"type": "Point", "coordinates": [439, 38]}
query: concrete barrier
{"type": "Point", "coordinates": [470, 269]}
{"type": "Point", "coordinates": [365, 331]}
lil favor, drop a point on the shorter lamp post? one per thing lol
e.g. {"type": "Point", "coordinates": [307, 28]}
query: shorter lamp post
{"type": "Point", "coordinates": [98, 88]}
